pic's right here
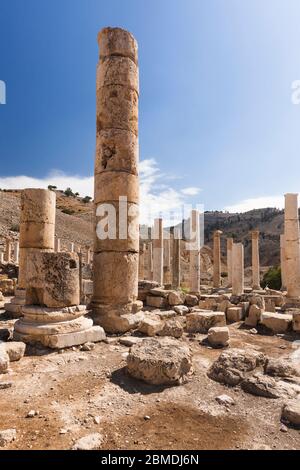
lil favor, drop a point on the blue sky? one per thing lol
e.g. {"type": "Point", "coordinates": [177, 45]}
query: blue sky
{"type": "Point", "coordinates": [215, 104]}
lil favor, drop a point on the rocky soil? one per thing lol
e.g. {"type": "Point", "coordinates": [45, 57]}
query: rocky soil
{"type": "Point", "coordinates": [53, 399]}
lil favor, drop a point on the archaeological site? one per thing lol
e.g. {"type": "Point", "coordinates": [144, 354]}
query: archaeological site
{"type": "Point", "coordinates": [117, 333]}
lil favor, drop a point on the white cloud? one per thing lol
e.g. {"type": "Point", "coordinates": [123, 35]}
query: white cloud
{"type": "Point", "coordinates": [157, 197]}
{"type": "Point", "coordinates": [257, 203]}
{"type": "Point", "coordinates": [192, 191]}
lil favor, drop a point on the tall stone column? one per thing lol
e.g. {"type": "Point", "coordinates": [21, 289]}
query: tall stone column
{"type": "Point", "coordinates": [176, 275]}
{"type": "Point", "coordinates": [37, 228]}
{"type": "Point", "coordinates": [158, 248]}
{"type": "Point", "coordinates": [217, 259]}
{"type": "Point", "coordinates": [229, 260]}
{"type": "Point", "coordinates": [167, 261]}
{"type": "Point", "coordinates": [292, 252]}
{"type": "Point", "coordinates": [1, 257]}
{"type": "Point", "coordinates": [149, 276]}
{"type": "Point", "coordinates": [8, 250]}
{"type": "Point", "coordinates": [16, 251]}
{"type": "Point", "coordinates": [255, 260]}
{"type": "Point", "coordinates": [142, 261]}
{"type": "Point", "coordinates": [282, 262]}
{"type": "Point", "coordinates": [194, 248]}
{"type": "Point", "coordinates": [116, 249]}
{"type": "Point", "coordinates": [237, 269]}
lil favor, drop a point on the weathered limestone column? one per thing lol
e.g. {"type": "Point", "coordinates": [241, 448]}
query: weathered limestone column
{"type": "Point", "coordinates": [255, 260]}
{"type": "Point", "coordinates": [229, 260]}
{"type": "Point", "coordinates": [37, 228]}
{"type": "Point", "coordinates": [142, 261]}
{"type": "Point", "coordinates": [217, 259]}
{"type": "Point", "coordinates": [88, 255]}
{"type": "Point", "coordinates": [176, 275]}
{"type": "Point", "coordinates": [16, 251]}
{"type": "Point", "coordinates": [72, 250]}
{"type": "Point", "coordinates": [158, 248]}
{"type": "Point", "coordinates": [167, 261]}
{"type": "Point", "coordinates": [57, 248]}
{"type": "Point", "coordinates": [194, 247]}
{"type": "Point", "coordinates": [149, 275]}
{"type": "Point", "coordinates": [8, 250]}
{"type": "Point", "coordinates": [292, 252]}
{"type": "Point", "coordinates": [116, 249]}
{"type": "Point", "coordinates": [1, 257]}
{"type": "Point", "coordinates": [237, 269]}
{"type": "Point", "coordinates": [282, 262]}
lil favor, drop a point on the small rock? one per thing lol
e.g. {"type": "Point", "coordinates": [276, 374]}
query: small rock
{"type": "Point", "coordinates": [253, 331]}
{"type": "Point", "coordinates": [63, 431]}
{"type": "Point", "coordinates": [4, 385]}
{"type": "Point", "coordinates": [32, 414]}
{"type": "Point", "coordinates": [225, 400]}
{"type": "Point", "coordinates": [88, 346]}
{"type": "Point", "coordinates": [89, 442]}
{"type": "Point", "coordinates": [7, 436]}
{"type": "Point", "coordinates": [97, 419]}
{"type": "Point", "coordinates": [181, 309]}
{"type": "Point", "coordinates": [15, 350]}
{"type": "Point", "coordinates": [218, 336]}
{"type": "Point", "coordinates": [146, 418]}
{"type": "Point", "coordinates": [171, 328]}
{"type": "Point", "coordinates": [291, 412]}
{"type": "Point", "coordinates": [283, 428]}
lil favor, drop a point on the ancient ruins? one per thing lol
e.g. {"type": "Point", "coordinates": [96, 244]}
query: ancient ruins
{"type": "Point", "coordinates": [147, 311]}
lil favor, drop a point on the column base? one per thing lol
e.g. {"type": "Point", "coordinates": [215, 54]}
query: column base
{"type": "Point", "coordinates": [14, 307]}
{"type": "Point", "coordinates": [118, 319]}
{"type": "Point", "coordinates": [56, 328]}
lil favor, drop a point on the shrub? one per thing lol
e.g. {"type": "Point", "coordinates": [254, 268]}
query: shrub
{"type": "Point", "coordinates": [86, 199]}
{"type": "Point", "coordinates": [272, 278]}
{"type": "Point", "coordinates": [51, 187]}
{"type": "Point", "coordinates": [68, 192]}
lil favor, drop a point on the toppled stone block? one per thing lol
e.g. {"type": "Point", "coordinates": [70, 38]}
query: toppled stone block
{"type": "Point", "coordinates": [281, 368]}
{"type": "Point", "coordinates": [202, 321]}
{"type": "Point", "coordinates": [160, 292]}
{"type": "Point", "coordinates": [191, 300]}
{"type": "Point", "coordinates": [262, 386]}
{"type": "Point", "coordinates": [234, 314]}
{"type": "Point", "coordinates": [277, 322]}
{"type": "Point", "coordinates": [90, 442]}
{"type": "Point", "coordinates": [145, 288]}
{"type": "Point", "coordinates": [176, 298]}
{"type": "Point", "coordinates": [150, 326]}
{"type": "Point", "coordinates": [4, 359]}
{"type": "Point", "coordinates": [291, 412]}
{"type": "Point", "coordinates": [218, 336]}
{"type": "Point", "coordinates": [7, 287]}
{"type": "Point", "coordinates": [7, 436]}
{"type": "Point", "coordinates": [155, 301]}
{"type": "Point", "coordinates": [232, 365]}
{"type": "Point", "coordinates": [164, 314]}
{"type": "Point", "coordinates": [209, 302]}
{"type": "Point", "coordinates": [161, 361]}
{"type": "Point", "coordinates": [15, 350]}
{"type": "Point", "coordinates": [130, 340]}
{"type": "Point", "coordinates": [254, 316]}
{"type": "Point", "coordinates": [181, 309]}
{"type": "Point", "coordinates": [224, 305]}
{"type": "Point", "coordinates": [172, 328]}
{"type": "Point", "coordinates": [258, 300]}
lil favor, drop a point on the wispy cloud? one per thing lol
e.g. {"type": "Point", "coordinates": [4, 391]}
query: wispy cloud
{"type": "Point", "coordinates": [159, 196]}
{"type": "Point", "coordinates": [257, 203]}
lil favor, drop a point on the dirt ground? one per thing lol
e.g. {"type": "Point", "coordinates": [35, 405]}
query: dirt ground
{"type": "Point", "coordinates": [77, 393]}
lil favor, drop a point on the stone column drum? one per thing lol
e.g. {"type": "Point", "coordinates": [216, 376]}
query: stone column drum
{"type": "Point", "coordinates": [282, 262]}
{"type": "Point", "coordinates": [176, 275]}
{"type": "Point", "coordinates": [194, 248]}
{"type": "Point", "coordinates": [142, 261]}
{"type": "Point", "coordinates": [255, 260]}
{"type": "Point", "coordinates": [116, 255]}
{"type": "Point", "coordinates": [229, 261]}
{"type": "Point", "coordinates": [8, 250]}
{"type": "Point", "coordinates": [217, 259]}
{"type": "Point", "coordinates": [37, 228]}
{"type": "Point", "coordinates": [237, 269]}
{"type": "Point", "coordinates": [167, 261]}
{"type": "Point", "coordinates": [158, 249]}
{"type": "Point", "coordinates": [292, 252]}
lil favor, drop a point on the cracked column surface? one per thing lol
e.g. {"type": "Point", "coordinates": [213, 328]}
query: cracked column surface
{"type": "Point", "coordinates": [291, 238]}
{"type": "Point", "coordinates": [116, 254]}
{"type": "Point", "coordinates": [282, 262]}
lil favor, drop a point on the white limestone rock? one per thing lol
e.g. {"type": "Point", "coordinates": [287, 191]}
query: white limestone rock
{"type": "Point", "coordinates": [202, 321]}
{"type": "Point", "coordinates": [218, 336]}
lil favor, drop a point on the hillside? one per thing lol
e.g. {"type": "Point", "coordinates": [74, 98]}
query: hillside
{"type": "Point", "coordinates": [74, 223]}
